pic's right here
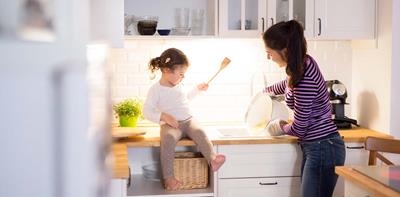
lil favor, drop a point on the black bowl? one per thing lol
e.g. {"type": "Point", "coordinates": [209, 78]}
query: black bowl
{"type": "Point", "coordinates": [147, 27]}
{"type": "Point", "coordinates": [163, 32]}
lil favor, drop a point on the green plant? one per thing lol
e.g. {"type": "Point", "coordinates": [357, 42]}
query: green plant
{"type": "Point", "coordinates": [129, 108]}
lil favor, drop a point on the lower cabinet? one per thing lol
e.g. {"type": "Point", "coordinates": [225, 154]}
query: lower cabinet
{"type": "Point", "coordinates": [260, 170]}
{"type": "Point", "coordinates": [354, 190]}
{"type": "Point", "coordinates": [118, 188]}
{"type": "Point", "coordinates": [355, 155]}
{"type": "Point", "coordinates": [259, 187]}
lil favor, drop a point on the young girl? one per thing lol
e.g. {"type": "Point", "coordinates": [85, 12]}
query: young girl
{"type": "Point", "coordinates": [167, 105]}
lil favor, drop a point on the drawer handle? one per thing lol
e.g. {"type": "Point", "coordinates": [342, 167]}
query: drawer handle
{"type": "Point", "coordinates": [261, 183]}
{"type": "Point", "coordinates": [355, 147]}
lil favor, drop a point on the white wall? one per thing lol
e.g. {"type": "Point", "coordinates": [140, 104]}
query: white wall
{"type": "Point", "coordinates": [395, 79]}
{"type": "Point", "coordinates": [107, 21]}
{"type": "Point", "coordinates": [32, 121]}
{"type": "Point", "coordinates": [230, 93]}
{"type": "Point", "coordinates": [371, 76]}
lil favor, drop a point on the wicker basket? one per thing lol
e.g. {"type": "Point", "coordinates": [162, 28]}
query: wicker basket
{"type": "Point", "coordinates": [191, 169]}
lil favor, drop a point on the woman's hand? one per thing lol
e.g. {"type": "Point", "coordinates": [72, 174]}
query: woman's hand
{"type": "Point", "coordinates": [202, 86]}
{"type": "Point", "coordinates": [274, 127]}
{"type": "Point", "coordinates": [170, 120]}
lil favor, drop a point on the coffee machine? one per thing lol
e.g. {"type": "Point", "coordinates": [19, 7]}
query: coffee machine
{"type": "Point", "coordinates": [337, 96]}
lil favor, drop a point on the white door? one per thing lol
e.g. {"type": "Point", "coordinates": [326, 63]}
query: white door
{"type": "Point", "coordinates": [284, 10]}
{"type": "Point", "coordinates": [45, 144]}
{"type": "Point", "coordinates": [242, 18]}
{"type": "Point", "coordinates": [341, 19]}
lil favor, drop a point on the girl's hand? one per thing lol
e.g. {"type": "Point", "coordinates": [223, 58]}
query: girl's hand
{"type": "Point", "coordinates": [202, 86]}
{"type": "Point", "coordinates": [170, 120]}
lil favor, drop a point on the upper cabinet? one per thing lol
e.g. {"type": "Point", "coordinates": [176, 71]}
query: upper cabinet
{"type": "Point", "coordinates": [284, 10]}
{"type": "Point", "coordinates": [343, 19]}
{"type": "Point", "coordinates": [327, 19]}
{"type": "Point", "coordinates": [321, 19]}
{"type": "Point", "coordinates": [183, 17]}
{"type": "Point", "coordinates": [242, 18]}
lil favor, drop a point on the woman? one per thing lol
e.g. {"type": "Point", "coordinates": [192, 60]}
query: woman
{"type": "Point", "coordinates": [306, 94]}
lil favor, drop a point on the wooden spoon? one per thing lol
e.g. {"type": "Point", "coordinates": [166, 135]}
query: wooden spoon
{"type": "Point", "coordinates": [224, 64]}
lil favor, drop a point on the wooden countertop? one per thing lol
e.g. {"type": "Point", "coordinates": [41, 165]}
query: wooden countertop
{"type": "Point", "coordinates": [120, 167]}
{"type": "Point", "coordinates": [363, 181]}
{"type": "Point", "coordinates": [152, 138]}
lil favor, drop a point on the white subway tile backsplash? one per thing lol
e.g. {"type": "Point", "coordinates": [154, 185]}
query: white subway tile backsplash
{"type": "Point", "coordinates": [126, 68]}
{"type": "Point", "coordinates": [206, 100]}
{"type": "Point", "coordinates": [118, 55]}
{"type": "Point", "coordinates": [219, 114]}
{"type": "Point", "coordinates": [118, 80]}
{"type": "Point", "coordinates": [230, 92]}
{"type": "Point", "coordinates": [124, 92]}
{"type": "Point", "coordinates": [138, 79]}
{"type": "Point", "coordinates": [143, 89]}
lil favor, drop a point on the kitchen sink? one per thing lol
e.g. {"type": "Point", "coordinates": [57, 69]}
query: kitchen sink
{"type": "Point", "coordinates": [238, 132]}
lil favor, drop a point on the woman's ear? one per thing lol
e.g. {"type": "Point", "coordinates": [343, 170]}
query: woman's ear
{"type": "Point", "coordinates": [283, 53]}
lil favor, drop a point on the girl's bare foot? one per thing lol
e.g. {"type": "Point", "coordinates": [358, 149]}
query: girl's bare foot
{"type": "Point", "coordinates": [172, 183]}
{"type": "Point", "coordinates": [217, 162]}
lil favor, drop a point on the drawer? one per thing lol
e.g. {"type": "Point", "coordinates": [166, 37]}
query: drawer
{"type": "Point", "coordinates": [265, 160]}
{"type": "Point", "coordinates": [356, 154]}
{"type": "Point", "coordinates": [259, 187]}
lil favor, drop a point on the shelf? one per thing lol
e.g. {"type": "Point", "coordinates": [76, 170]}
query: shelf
{"type": "Point", "coordinates": [169, 37]}
{"type": "Point", "coordinates": [145, 188]}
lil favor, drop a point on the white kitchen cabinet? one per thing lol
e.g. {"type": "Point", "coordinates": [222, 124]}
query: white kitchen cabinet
{"type": "Point", "coordinates": [355, 155]}
{"type": "Point", "coordinates": [232, 13]}
{"type": "Point", "coordinates": [118, 188]}
{"type": "Point", "coordinates": [259, 187]}
{"type": "Point", "coordinates": [284, 10]}
{"type": "Point", "coordinates": [327, 19]}
{"type": "Point", "coordinates": [165, 11]}
{"type": "Point", "coordinates": [140, 186]}
{"type": "Point", "coordinates": [258, 170]}
{"type": "Point", "coordinates": [342, 19]}
{"type": "Point", "coordinates": [353, 190]}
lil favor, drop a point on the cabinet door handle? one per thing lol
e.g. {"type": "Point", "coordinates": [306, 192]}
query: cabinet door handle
{"type": "Point", "coordinates": [261, 183]}
{"type": "Point", "coordinates": [129, 178]}
{"type": "Point", "coordinates": [272, 21]}
{"type": "Point", "coordinates": [355, 147]}
{"type": "Point", "coordinates": [263, 24]}
{"type": "Point", "coordinates": [319, 26]}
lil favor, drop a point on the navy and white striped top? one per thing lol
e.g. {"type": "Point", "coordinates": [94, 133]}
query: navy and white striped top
{"type": "Point", "coordinates": [309, 100]}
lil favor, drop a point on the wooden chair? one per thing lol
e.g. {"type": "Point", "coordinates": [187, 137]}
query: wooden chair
{"type": "Point", "coordinates": [376, 145]}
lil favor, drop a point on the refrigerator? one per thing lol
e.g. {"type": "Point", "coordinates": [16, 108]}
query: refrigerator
{"type": "Point", "coordinates": [54, 101]}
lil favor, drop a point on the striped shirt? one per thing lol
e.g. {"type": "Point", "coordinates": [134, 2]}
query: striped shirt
{"type": "Point", "coordinates": [309, 100]}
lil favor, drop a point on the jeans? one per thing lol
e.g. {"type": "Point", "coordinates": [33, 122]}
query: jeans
{"type": "Point", "coordinates": [318, 177]}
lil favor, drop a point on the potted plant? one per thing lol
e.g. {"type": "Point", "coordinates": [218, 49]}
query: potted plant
{"type": "Point", "coordinates": [128, 111]}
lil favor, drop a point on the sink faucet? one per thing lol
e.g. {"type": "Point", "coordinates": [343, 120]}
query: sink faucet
{"type": "Point", "coordinates": [252, 79]}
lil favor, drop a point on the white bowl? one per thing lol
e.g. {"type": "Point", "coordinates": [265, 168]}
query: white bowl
{"type": "Point", "coordinates": [180, 31]}
{"type": "Point", "coordinates": [152, 172]}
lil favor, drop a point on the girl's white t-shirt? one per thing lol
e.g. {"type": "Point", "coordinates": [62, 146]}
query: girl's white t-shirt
{"type": "Point", "coordinates": [171, 100]}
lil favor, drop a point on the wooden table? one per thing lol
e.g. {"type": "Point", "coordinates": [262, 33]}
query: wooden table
{"type": "Point", "coordinates": [361, 184]}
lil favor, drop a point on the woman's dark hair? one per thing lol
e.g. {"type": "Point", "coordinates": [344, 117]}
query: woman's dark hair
{"type": "Point", "coordinates": [168, 59]}
{"type": "Point", "coordinates": [289, 35]}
